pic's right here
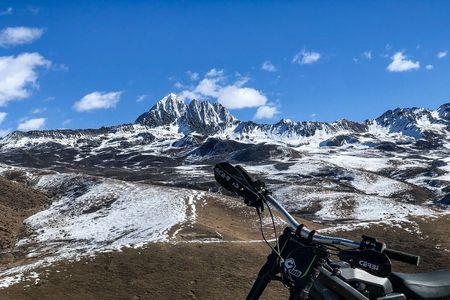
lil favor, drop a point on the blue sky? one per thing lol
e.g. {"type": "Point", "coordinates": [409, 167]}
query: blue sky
{"type": "Point", "coordinates": [95, 63]}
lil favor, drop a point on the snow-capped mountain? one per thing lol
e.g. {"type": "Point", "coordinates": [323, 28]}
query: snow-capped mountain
{"type": "Point", "coordinates": [172, 119]}
{"type": "Point", "coordinates": [206, 118]}
{"type": "Point", "coordinates": [199, 116]}
{"type": "Point", "coordinates": [173, 133]}
{"type": "Point", "coordinates": [166, 111]}
{"type": "Point", "coordinates": [157, 172]}
{"type": "Point", "coordinates": [416, 122]}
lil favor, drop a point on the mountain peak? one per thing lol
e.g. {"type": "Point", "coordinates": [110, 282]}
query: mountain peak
{"type": "Point", "coordinates": [171, 99]}
{"type": "Point", "coordinates": [415, 121]}
{"type": "Point", "coordinates": [199, 116]}
{"type": "Point", "coordinates": [164, 112]}
{"type": "Point", "coordinates": [444, 111]}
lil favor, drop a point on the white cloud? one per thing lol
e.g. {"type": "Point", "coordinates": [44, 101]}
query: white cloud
{"type": "Point", "coordinates": [32, 124]}
{"type": "Point", "coordinates": [7, 11]}
{"type": "Point", "coordinates": [232, 96]}
{"type": "Point", "coordinates": [66, 122]}
{"type": "Point", "coordinates": [192, 75]}
{"type": "Point", "coordinates": [49, 99]}
{"type": "Point", "coordinates": [178, 85]}
{"type": "Point", "coordinates": [306, 57]}
{"type": "Point", "coordinates": [38, 110]}
{"type": "Point", "coordinates": [268, 66]}
{"type": "Point", "coordinates": [241, 80]}
{"type": "Point", "coordinates": [266, 112]}
{"type": "Point", "coordinates": [429, 67]}
{"type": "Point", "coordinates": [61, 67]}
{"type": "Point", "coordinates": [97, 100]}
{"type": "Point", "coordinates": [4, 132]}
{"type": "Point", "coordinates": [387, 51]}
{"type": "Point", "coordinates": [141, 98]}
{"type": "Point", "coordinates": [367, 54]}
{"type": "Point", "coordinates": [442, 54]}
{"type": "Point", "coordinates": [215, 73]}
{"type": "Point", "coordinates": [400, 63]}
{"type": "Point", "coordinates": [18, 75]}
{"type": "Point", "coordinates": [2, 117]}
{"type": "Point", "coordinates": [208, 87]}
{"type": "Point", "coordinates": [33, 10]}
{"type": "Point", "coordinates": [13, 36]}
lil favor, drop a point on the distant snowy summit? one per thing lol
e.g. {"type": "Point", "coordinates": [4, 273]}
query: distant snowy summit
{"type": "Point", "coordinates": [183, 123]}
{"type": "Point", "coordinates": [206, 118]}
{"type": "Point", "coordinates": [197, 116]}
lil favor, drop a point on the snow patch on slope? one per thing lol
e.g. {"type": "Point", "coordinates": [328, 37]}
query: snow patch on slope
{"type": "Point", "coordinates": [344, 207]}
{"type": "Point", "coordinates": [100, 215]}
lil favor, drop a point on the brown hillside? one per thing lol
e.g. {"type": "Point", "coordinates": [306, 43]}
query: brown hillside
{"type": "Point", "coordinates": [17, 202]}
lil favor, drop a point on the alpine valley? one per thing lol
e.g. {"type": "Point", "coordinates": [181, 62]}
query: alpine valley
{"type": "Point", "coordinates": [108, 191]}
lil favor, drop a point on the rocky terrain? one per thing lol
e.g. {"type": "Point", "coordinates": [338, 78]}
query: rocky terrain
{"type": "Point", "coordinates": [111, 194]}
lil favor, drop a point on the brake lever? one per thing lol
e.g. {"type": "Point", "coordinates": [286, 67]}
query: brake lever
{"type": "Point", "coordinates": [237, 180]}
{"type": "Point", "coordinates": [244, 174]}
{"type": "Point", "coordinates": [371, 243]}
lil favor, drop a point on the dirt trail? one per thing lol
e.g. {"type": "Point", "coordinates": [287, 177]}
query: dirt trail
{"type": "Point", "coordinates": [188, 269]}
{"type": "Point", "coordinates": [159, 271]}
{"type": "Point", "coordinates": [194, 270]}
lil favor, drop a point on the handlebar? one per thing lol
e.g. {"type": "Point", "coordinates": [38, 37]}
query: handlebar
{"type": "Point", "coordinates": [237, 180]}
{"type": "Point", "coordinates": [402, 256]}
{"type": "Point", "coordinates": [305, 232]}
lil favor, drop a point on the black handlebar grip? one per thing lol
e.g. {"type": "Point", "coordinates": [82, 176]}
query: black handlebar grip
{"type": "Point", "coordinates": [402, 256]}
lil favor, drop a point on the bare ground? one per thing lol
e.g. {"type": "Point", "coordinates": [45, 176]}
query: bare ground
{"type": "Point", "coordinates": [223, 269]}
{"type": "Point", "coordinates": [17, 202]}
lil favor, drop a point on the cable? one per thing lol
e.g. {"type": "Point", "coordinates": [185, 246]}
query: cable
{"type": "Point", "coordinates": [274, 227]}
{"type": "Point", "coordinates": [267, 242]}
{"type": "Point", "coordinates": [264, 237]}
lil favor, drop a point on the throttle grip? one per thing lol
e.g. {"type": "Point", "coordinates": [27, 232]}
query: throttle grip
{"type": "Point", "coordinates": [402, 256]}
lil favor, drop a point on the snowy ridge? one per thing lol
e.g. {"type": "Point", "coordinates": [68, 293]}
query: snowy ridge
{"type": "Point", "coordinates": [415, 121]}
{"type": "Point", "coordinates": [150, 175]}
{"type": "Point", "coordinates": [172, 115]}
{"type": "Point", "coordinates": [202, 117]}
{"type": "Point", "coordinates": [93, 214]}
{"type": "Point", "coordinates": [410, 144]}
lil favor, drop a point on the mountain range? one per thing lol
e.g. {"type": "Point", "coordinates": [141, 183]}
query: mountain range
{"type": "Point", "coordinates": [201, 118]}
{"type": "Point", "coordinates": [173, 134]}
{"type": "Point", "coordinates": [151, 181]}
